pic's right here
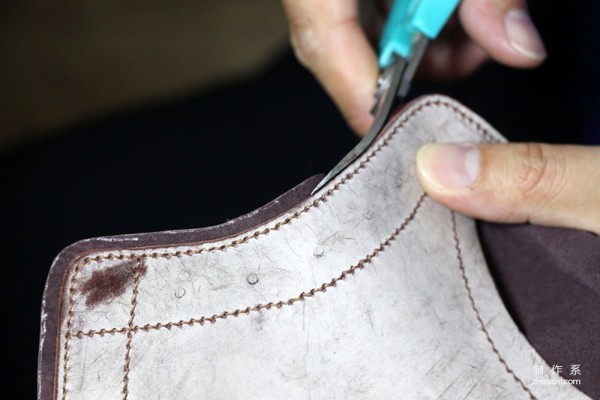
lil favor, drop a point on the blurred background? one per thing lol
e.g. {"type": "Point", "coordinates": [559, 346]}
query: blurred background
{"type": "Point", "coordinates": [120, 117]}
{"type": "Point", "coordinates": [67, 61]}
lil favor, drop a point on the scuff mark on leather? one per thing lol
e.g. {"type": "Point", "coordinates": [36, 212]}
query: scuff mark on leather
{"type": "Point", "coordinates": [106, 284]}
{"type": "Point", "coordinates": [361, 264]}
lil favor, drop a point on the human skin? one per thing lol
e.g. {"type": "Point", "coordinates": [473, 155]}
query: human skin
{"type": "Point", "coordinates": [510, 183]}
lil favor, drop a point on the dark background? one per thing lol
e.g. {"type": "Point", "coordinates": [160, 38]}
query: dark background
{"type": "Point", "coordinates": [212, 155]}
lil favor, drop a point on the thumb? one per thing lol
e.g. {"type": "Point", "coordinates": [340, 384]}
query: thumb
{"type": "Point", "coordinates": [510, 183]}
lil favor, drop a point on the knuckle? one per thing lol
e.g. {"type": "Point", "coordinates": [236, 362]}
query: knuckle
{"type": "Point", "coordinates": [540, 172]}
{"type": "Point", "coordinates": [498, 7]}
{"type": "Point", "coordinates": [306, 43]}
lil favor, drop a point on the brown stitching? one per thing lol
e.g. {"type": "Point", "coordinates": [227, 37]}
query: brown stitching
{"type": "Point", "coordinates": [267, 306]}
{"type": "Point", "coordinates": [475, 124]}
{"type": "Point", "coordinates": [323, 198]}
{"type": "Point", "coordinates": [136, 280]}
{"type": "Point", "coordinates": [101, 332]}
{"type": "Point", "coordinates": [69, 324]}
{"type": "Point", "coordinates": [478, 315]}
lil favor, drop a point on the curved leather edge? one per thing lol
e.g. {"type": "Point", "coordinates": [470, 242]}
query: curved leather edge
{"type": "Point", "coordinates": [51, 315]}
{"type": "Point", "coordinates": [52, 307]}
{"type": "Point", "coordinates": [549, 282]}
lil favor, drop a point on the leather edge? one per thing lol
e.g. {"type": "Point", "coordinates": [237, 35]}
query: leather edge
{"type": "Point", "coordinates": [51, 314]}
{"type": "Point", "coordinates": [51, 304]}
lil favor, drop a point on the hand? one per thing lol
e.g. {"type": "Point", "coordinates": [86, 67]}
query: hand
{"type": "Point", "coordinates": [329, 40]}
{"type": "Point", "coordinates": [510, 183]}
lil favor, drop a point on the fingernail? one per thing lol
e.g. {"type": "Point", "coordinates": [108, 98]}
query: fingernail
{"type": "Point", "coordinates": [522, 34]}
{"type": "Point", "coordinates": [449, 165]}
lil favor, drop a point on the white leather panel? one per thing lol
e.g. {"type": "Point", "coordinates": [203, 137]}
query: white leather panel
{"type": "Point", "coordinates": [96, 367]}
{"type": "Point", "coordinates": [368, 290]}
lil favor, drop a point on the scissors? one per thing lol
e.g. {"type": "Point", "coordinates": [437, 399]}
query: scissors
{"type": "Point", "coordinates": [408, 29]}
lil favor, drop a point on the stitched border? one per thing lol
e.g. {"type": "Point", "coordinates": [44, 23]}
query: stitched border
{"type": "Point", "coordinates": [482, 327]}
{"type": "Point", "coordinates": [136, 284]}
{"type": "Point", "coordinates": [69, 324]}
{"type": "Point", "coordinates": [323, 198]}
{"type": "Point", "coordinates": [264, 306]}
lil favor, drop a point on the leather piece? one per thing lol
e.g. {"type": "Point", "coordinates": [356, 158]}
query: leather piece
{"type": "Point", "coordinates": [51, 300]}
{"type": "Point", "coordinates": [550, 282]}
{"type": "Point", "coordinates": [366, 290]}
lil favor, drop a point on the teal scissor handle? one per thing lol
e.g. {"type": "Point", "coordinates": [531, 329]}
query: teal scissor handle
{"type": "Point", "coordinates": [408, 18]}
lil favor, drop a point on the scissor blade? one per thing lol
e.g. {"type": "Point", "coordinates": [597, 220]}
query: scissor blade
{"type": "Point", "coordinates": [393, 88]}
{"type": "Point", "coordinates": [387, 93]}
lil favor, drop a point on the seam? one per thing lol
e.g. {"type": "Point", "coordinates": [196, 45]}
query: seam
{"type": "Point", "coordinates": [126, 367]}
{"type": "Point", "coordinates": [482, 327]}
{"type": "Point", "coordinates": [322, 199]}
{"type": "Point", "coordinates": [468, 119]}
{"type": "Point", "coordinates": [264, 306]}
{"type": "Point", "coordinates": [69, 324]}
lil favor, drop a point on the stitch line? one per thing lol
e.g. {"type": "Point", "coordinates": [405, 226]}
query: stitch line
{"type": "Point", "coordinates": [69, 324]}
{"type": "Point", "coordinates": [466, 118]}
{"type": "Point", "coordinates": [476, 309]}
{"type": "Point", "coordinates": [126, 367]}
{"type": "Point", "coordinates": [322, 199]}
{"type": "Point", "coordinates": [265, 306]}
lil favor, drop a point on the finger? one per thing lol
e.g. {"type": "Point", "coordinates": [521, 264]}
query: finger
{"type": "Point", "coordinates": [329, 41]}
{"type": "Point", "coordinates": [504, 30]}
{"type": "Point", "coordinates": [537, 183]}
{"type": "Point", "coordinates": [452, 55]}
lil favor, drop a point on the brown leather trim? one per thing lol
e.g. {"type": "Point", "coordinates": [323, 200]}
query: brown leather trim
{"type": "Point", "coordinates": [549, 281]}
{"type": "Point", "coordinates": [51, 302]}
{"type": "Point", "coordinates": [52, 309]}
